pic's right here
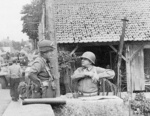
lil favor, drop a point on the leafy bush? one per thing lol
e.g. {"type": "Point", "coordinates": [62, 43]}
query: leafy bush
{"type": "Point", "coordinates": [65, 59]}
{"type": "Point", "coordinates": [140, 104]}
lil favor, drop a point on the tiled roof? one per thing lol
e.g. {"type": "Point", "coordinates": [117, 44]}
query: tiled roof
{"type": "Point", "coordinates": [100, 21]}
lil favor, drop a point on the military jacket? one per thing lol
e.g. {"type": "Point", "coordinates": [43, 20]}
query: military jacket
{"type": "Point", "coordinates": [86, 84]}
{"type": "Point", "coordinates": [39, 67]}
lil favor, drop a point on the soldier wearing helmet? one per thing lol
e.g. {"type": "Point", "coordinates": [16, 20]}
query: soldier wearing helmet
{"type": "Point", "coordinates": [88, 75]}
{"type": "Point", "coordinates": [40, 72]}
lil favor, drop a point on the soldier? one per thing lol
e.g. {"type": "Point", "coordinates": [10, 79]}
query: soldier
{"type": "Point", "coordinates": [40, 72]}
{"type": "Point", "coordinates": [15, 75]}
{"type": "Point", "coordinates": [88, 75]}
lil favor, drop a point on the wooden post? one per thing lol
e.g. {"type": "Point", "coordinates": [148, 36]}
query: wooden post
{"type": "Point", "coordinates": [120, 56]}
{"type": "Point", "coordinates": [50, 34]}
{"type": "Point", "coordinates": [128, 75]}
{"type": "Point", "coordinates": [43, 21]}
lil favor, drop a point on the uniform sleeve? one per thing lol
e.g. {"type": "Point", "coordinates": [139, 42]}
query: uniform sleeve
{"type": "Point", "coordinates": [77, 74]}
{"type": "Point", "coordinates": [36, 67]}
{"type": "Point", "coordinates": [105, 73]}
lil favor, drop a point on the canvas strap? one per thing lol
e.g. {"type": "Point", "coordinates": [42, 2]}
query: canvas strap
{"type": "Point", "coordinates": [48, 70]}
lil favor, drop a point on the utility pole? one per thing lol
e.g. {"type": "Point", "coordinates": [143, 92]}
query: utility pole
{"type": "Point", "coordinates": [50, 34]}
{"type": "Point", "coordinates": [121, 44]}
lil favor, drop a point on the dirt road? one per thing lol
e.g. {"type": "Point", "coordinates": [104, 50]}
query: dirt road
{"type": "Point", "coordinates": [5, 99]}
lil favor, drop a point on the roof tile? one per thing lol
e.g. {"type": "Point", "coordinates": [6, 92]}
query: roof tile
{"type": "Point", "coordinates": [101, 21]}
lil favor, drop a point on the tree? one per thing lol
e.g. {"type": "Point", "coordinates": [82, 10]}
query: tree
{"type": "Point", "coordinates": [16, 45]}
{"type": "Point", "coordinates": [32, 16]}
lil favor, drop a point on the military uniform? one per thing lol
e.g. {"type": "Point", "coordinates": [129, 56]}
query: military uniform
{"type": "Point", "coordinates": [15, 74]}
{"type": "Point", "coordinates": [41, 71]}
{"type": "Point", "coordinates": [87, 76]}
{"type": "Point", "coordinates": [86, 85]}
{"type": "Point", "coordinates": [39, 67]}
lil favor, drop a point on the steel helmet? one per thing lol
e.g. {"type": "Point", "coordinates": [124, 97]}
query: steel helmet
{"type": "Point", "coordinates": [45, 45]}
{"type": "Point", "coordinates": [90, 56]}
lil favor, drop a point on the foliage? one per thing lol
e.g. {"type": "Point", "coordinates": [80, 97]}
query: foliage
{"type": "Point", "coordinates": [16, 45]}
{"type": "Point", "coordinates": [32, 14]}
{"type": "Point", "coordinates": [65, 59]}
{"type": "Point", "coordinates": [140, 104]}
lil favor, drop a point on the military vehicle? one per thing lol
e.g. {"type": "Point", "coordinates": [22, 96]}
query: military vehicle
{"type": "Point", "coordinates": [4, 78]}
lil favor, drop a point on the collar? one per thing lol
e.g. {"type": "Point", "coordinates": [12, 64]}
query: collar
{"type": "Point", "coordinates": [88, 68]}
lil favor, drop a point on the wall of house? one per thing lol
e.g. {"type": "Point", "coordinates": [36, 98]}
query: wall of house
{"type": "Point", "coordinates": [135, 66]}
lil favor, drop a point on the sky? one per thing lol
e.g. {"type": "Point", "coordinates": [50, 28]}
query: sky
{"type": "Point", "coordinates": [10, 19]}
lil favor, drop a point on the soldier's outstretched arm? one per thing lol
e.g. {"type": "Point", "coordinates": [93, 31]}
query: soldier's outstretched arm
{"type": "Point", "coordinates": [106, 73]}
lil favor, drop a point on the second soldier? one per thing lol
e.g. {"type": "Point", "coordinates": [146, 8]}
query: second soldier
{"type": "Point", "coordinates": [40, 72]}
